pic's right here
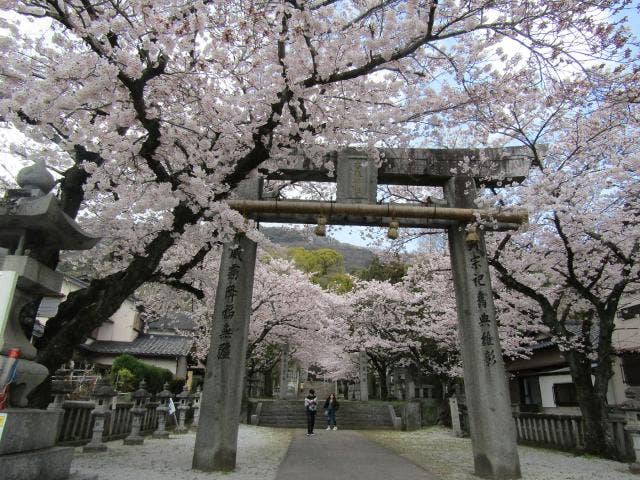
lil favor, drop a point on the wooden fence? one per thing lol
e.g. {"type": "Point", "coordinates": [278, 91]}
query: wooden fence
{"type": "Point", "coordinates": [562, 432]}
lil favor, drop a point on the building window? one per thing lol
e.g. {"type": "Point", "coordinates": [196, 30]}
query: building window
{"type": "Point", "coordinates": [564, 395]}
{"type": "Point", "coordinates": [631, 369]}
{"type": "Point", "coordinates": [530, 391]}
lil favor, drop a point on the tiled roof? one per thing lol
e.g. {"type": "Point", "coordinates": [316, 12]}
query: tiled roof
{"type": "Point", "coordinates": [145, 345]}
{"type": "Point", "coordinates": [573, 328]}
{"type": "Point", "coordinates": [178, 321]}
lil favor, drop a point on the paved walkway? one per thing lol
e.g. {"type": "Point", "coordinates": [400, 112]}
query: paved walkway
{"type": "Point", "coordinates": [344, 454]}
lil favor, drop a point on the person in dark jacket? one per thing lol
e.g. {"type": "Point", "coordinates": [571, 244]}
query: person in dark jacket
{"type": "Point", "coordinates": [310, 406]}
{"type": "Point", "coordinates": [330, 407]}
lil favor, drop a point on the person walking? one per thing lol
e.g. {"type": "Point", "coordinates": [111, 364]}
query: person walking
{"type": "Point", "coordinates": [330, 407]}
{"type": "Point", "coordinates": [310, 406]}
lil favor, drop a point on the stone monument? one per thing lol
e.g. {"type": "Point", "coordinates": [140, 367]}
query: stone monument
{"type": "Point", "coordinates": [30, 217]}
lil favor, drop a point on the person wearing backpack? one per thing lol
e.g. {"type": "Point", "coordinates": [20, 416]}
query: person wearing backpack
{"type": "Point", "coordinates": [330, 407]}
{"type": "Point", "coordinates": [310, 406]}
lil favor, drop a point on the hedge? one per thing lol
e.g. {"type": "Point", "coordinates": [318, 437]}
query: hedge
{"type": "Point", "coordinates": [154, 376]}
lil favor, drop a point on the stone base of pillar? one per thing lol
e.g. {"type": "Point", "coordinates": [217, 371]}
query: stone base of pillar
{"type": "Point", "coordinates": [47, 464]}
{"type": "Point", "coordinates": [634, 468]}
{"type": "Point", "coordinates": [181, 430]}
{"type": "Point", "coordinates": [95, 447]}
{"type": "Point", "coordinates": [160, 435]}
{"type": "Point", "coordinates": [133, 441]}
{"type": "Point", "coordinates": [27, 447]}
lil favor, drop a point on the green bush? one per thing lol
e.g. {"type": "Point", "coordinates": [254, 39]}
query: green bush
{"type": "Point", "coordinates": [175, 385]}
{"type": "Point", "coordinates": [124, 381]}
{"type": "Point", "coordinates": [154, 376]}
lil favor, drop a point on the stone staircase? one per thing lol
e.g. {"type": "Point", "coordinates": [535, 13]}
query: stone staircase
{"type": "Point", "coordinates": [351, 415]}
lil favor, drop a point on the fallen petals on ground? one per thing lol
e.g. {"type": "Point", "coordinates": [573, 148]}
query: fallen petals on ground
{"type": "Point", "coordinates": [450, 458]}
{"type": "Point", "coordinates": [260, 451]}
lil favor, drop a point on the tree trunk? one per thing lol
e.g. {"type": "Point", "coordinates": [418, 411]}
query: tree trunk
{"type": "Point", "coordinates": [598, 434]}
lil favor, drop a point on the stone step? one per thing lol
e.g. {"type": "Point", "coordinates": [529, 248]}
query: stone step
{"type": "Point", "coordinates": [350, 415]}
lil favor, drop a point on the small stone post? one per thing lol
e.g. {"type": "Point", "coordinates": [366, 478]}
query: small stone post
{"type": "Point", "coordinates": [491, 424]}
{"type": "Point", "coordinates": [455, 416]}
{"type": "Point", "coordinates": [632, 412]}
{"type": "Point", "coordinates": [182, 407]}
{"type": "Point", "coordinates": [162, 409]}
{"type": "Point", "coordinates": [364, 376]}
{"type": "Point", "coordinates": [410, 389]}
{"type": "Point", "coordinates": [140, 398]}
{"type": "Point", "coordinates": [284, 371]}
{"type": "Point", "coordinates": [102, 395]}
{"type": "Point", "coordinates": [196, 408]}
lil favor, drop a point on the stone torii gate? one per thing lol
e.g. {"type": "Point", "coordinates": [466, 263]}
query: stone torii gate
{"type": "Point", "coordinates": [460, 172]}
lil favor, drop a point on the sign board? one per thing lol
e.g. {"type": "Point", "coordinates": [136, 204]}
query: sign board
{"type": "Point", "coordinates": [8, 282]}
{"type": "Point", "coordinates": [3, 421]}
{"type": "Point", "coordinates": [356, 179]}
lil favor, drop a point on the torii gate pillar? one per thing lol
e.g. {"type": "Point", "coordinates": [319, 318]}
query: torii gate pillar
{"type": "Point", "coordinates": [493, 433]}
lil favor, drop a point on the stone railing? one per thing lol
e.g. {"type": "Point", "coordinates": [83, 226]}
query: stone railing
{"type": "Point", "coordinates": [77, 421]}
{"type": "Point", "coordinates": [77, 417]}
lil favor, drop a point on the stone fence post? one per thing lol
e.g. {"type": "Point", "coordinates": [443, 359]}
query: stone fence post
{"type": "Point", "coordinates": [196, 408]}
{"type": "Point", "coordinates": [182, 407]}
{"type": "Point", "coordinates": [631, 408]}
{"type": "Point", "coordinates": [455, 417]}
{"type": "Point", "coordinates": [102, 395]}
{"type": "Point", "coordinates": [140, 398]}
{"type": "Point", "coordinates": [163, 409]}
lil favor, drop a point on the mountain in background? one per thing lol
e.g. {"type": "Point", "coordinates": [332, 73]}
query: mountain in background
{"type": "Point", "coordinates": [354, 257]}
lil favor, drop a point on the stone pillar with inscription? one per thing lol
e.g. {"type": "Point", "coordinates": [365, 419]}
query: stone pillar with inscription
{"type": "Point", "coordinates": [217, 437]}
{"type": "Point", "coordinates": [364, 376]}
{"type": "Point", "coordinates": [492, 427]}
{"type": "Point", "coordinates": [284, 370]}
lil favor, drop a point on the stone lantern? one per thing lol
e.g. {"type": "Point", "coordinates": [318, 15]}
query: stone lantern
{"type": "Point", "coordinates": [31, 218]}
{"type": "Point", "coordinates": [59, 389]}
{"type": "Point", "coordinates": [140, 399]}
{"type": "Point", "coordinates": [632, 413]}
{"type": "Point", "coordinates": [197, 396]}
{"type": "Point", "coordinates": [182, 407]}
{"type": "Point", "coordinates": [163, 409]}
{"type": "Point", "coordinates": [102, 395]}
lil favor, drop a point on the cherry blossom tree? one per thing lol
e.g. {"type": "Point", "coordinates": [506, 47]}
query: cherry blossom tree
{"type": "Point", "coordinates": [378, 323]}
{"type": "Point", "coordinates": [153, 112]}
{"type": "Point", "coordinates": [580, 254]}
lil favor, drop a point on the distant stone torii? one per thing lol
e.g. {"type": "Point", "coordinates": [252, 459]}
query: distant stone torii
{"type": "Point", "coordinates": [460, 172]}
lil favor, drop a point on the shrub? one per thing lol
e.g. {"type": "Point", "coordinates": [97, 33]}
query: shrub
{"type": "Point", "coordinates": [154, 376]}
{"type": "Point", "coordinates": [124, 381]}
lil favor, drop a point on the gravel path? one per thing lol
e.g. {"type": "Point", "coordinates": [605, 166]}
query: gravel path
{"type": "Point", "coordinates": [260, 451]}
{"type": "Point", "coordinates": [450, 458]}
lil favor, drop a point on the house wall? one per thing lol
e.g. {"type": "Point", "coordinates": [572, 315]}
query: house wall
{"type": "Point", "coordinates": [122, 326]}
{"type": "Point", "coordinates": [546, 388]}
{"type": "Point", "coordinates": [546, 392]}
{"type": "Point", "coordinates": [626, 336]}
